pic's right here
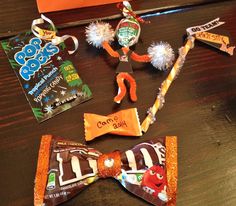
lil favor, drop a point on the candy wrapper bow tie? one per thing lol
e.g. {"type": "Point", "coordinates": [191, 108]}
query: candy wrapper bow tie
{"type": "Point", "coordinates": [148, 170]}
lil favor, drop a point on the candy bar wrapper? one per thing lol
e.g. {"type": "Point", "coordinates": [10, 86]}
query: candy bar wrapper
{"type": "Point", "coordinates": [218, 41]}
{"type": "Point", "coordinates": [65, 168]}
{"type": "Point", "coordinates": [49, 80]}
{"type": "Point", "coordinates": [125, 122]}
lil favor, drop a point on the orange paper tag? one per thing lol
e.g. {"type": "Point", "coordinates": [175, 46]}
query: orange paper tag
{"type": "Point", "coordinates": [124, 122]}
{"type": "Point", "coordinates": [217, 41]}
{"type": "Point", "coordinates": [215, 38]}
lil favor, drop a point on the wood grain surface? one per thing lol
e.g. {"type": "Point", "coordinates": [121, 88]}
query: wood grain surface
{"type": "Point", "coordinates": [200, 109]}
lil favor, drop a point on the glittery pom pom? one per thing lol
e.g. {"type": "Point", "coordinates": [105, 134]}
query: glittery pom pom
{"type": "Point", "coordinates": [98, 32]}
{"type": "Point", "coordinates": [162, 55]}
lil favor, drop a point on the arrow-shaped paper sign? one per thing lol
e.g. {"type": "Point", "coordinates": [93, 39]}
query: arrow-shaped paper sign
{"type": "Point", "coordinates": [205, 27]}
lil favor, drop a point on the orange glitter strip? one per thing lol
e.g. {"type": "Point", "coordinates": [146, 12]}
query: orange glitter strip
{"type": "Point", "coordinates": [172, 169]}
{"type": "Point", "coordinates": [42, 170]}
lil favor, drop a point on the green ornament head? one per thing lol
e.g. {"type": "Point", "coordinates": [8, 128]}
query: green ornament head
{"type": "Point", "coordinates": [128, 31]}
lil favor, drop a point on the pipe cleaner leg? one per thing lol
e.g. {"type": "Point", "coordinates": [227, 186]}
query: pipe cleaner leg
{"type": "Point", "coordinates": [133, 87]}
{"type": "Point", "coordinates": [121, 88]}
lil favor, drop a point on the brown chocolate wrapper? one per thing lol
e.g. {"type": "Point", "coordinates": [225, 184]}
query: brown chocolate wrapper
{"type": "Point", "coordinates": [125, 123]}
{"type": "Point", "coordinates": [65, 168]}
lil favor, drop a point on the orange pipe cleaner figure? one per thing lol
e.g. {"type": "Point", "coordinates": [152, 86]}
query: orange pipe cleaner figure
{"type": "Point", "coordinates": [101, 34]}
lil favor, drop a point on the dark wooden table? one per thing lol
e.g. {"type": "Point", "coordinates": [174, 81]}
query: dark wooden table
{"type": "Point", "coordinates": [200, 106]}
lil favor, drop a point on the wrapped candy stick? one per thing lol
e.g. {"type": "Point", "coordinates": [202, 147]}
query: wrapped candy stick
{"type": "Point", "coordinates": [195, 32]}
{"type": "Point", "coordinates": [183, 51]}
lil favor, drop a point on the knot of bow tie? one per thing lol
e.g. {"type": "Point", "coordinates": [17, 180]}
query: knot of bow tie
{"type": "Point", "coordinates": [109, 165]}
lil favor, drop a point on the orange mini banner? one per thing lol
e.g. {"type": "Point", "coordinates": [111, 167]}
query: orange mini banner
{"type": "Point", "coordinates": [57, 5]}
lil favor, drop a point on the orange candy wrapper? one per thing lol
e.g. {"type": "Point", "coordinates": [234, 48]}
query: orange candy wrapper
{"type": "Point", "coordinates": [125, 123]}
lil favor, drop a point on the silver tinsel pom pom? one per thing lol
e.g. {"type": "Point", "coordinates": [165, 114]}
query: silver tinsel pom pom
{"type": "Point", "coordinates": [162, 55]}
{"type": "Point", "coordinates": [98, 32]}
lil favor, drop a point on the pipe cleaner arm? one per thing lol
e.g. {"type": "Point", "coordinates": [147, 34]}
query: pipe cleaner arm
{"type": "Point", "coordinates": [140, 58]}
{"type": "Point", "coordinates": [109, 49]}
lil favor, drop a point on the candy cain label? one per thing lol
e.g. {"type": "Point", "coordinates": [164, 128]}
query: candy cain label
{"type": "Point", "coordinates": [73, 167]}
{"type": "Point", "coordinates": [49, 80]}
